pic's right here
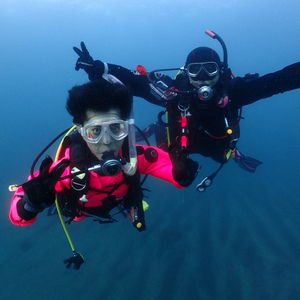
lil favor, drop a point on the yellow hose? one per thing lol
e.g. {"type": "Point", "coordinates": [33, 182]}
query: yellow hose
{"type": "Point", "coordinates": [56, 200]}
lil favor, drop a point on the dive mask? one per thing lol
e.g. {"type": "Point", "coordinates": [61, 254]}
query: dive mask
{"type": "Point", "coordinates": [211, 68]}
{"type": "Point", "coordinates": [97, 131]}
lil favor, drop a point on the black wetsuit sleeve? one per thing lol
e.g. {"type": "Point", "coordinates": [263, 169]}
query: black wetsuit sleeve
{"type": "Point", "coordinates": [243, 91]}
{"type": "Point", "coordinates": [139, 84]}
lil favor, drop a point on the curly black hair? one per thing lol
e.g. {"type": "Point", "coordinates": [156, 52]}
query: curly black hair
{"type": "Point", "coordinates": [98, 95]}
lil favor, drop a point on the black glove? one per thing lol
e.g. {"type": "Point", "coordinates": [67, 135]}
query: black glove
{"type": "Point", "coordinates": [93, 68]}
{"type": "Point", "coordinates": [77, 259]}
{"type": "Point", "coordinates": [184, 169]}
{"type": "Point", "coordinates": [39, 192]}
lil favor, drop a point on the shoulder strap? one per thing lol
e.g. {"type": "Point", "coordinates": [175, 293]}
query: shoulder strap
{"type": "Point", "coordinates": [79, 184]}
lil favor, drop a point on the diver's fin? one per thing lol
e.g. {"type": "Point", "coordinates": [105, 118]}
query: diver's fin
{"type": "Point", "coordinates": [246, 162]}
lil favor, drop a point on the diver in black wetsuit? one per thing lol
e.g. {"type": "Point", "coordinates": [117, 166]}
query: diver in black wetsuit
{"type": "Point", "coordinates": [203, 103]}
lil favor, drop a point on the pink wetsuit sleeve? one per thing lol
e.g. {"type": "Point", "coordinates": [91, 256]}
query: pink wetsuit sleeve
{"type": "Point", "coordinates": [13, 214]}
{"type": "Point", "coordinates": [161, 169]}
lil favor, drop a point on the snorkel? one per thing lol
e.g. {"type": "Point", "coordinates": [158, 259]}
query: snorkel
{"type": "Point", "coordinates": [225, 71]}
{"type": "Point", "coordinates": [225, 56]}
{"type": "Point", "coordinates": [130, 167]}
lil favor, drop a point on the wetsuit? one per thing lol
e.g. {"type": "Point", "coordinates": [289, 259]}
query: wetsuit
{"type": "Point", "coordinates": [206, 128]}
{"type": "Point", "coordinates": [98, 187]}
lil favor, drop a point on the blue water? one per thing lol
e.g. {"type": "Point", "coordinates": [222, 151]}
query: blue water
{"type": "Point", "coordinates": [238, 240]}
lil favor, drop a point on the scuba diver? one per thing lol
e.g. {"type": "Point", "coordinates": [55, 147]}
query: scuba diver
{"type": "Point", "coordinates": [98, 165]}
{"type": "Point", "coordinates": [203, 103]}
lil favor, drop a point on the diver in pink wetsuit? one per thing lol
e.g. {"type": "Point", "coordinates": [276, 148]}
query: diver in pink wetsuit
{"type": "Point", "coordinates": [98, 165]}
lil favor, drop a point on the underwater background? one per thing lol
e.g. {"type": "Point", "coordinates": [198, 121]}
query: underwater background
{"type": "Point", "coordinates": [238, 240]}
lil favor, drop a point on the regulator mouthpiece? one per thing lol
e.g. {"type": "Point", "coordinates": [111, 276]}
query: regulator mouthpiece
{"type": "Point", "coordinates": [111, 166]}
{"type": "Point", "coordinates": [205, 93]}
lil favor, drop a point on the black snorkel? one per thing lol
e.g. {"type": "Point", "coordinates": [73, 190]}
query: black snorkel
{"type": "Point", "coordinates": [225, 56]}
{"type": "Point", "coordinates": [225, 74]}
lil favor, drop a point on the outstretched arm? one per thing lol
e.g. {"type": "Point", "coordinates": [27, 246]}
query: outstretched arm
{"type": "Point", "coordinates": [139, 83]}
{"type": "Point", "coordinates": [245, 91]}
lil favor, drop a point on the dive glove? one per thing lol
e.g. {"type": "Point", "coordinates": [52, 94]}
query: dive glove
{"type": "Point", "coordinates": [94, 68]}
{"type": "Point", "coordinates": [184, 169]}
{"type": "Point", "coordinates": [39, 192]}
